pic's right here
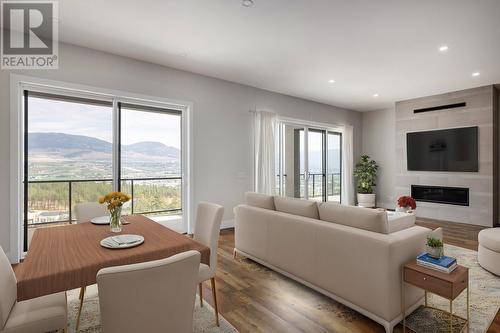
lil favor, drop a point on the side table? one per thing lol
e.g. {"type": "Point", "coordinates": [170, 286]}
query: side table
{"type": "Point", "coordinates": [445, 285]}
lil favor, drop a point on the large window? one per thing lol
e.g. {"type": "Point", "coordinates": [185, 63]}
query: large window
{"type": "Point", "coordinates": [76, 149]}
{"type": "Point", "coordinates": [308, 162]}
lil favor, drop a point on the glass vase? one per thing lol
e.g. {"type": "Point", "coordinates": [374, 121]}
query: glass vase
{"type": "Point", "coordinates": [115, 222]}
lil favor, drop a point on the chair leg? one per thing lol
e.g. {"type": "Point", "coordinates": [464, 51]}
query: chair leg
{"type": "Point", "coordinates": [201, 294]}
{"type": "Point", "coordinates": [214, 293]}
{"type": "Point", "coordinates": [234, 255]}
{"type": "Point", "coordinates": [82, 295]}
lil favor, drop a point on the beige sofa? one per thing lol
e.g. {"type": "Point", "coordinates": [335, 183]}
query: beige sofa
{"type": "Point", "coordinates": [351, 254]}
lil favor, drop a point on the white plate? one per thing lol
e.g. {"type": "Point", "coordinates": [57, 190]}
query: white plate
{"type": "Point", "coordinates": [100, 220]}
{"type": "Point", "coordinates": [122, 241]}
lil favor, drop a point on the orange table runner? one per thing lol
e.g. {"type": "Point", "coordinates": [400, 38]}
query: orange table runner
{"type": "Point", "coordinates": [67, 257]}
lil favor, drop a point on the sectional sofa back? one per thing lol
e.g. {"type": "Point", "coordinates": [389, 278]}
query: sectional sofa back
{"type": "Point", "coordinates": [357, 217]}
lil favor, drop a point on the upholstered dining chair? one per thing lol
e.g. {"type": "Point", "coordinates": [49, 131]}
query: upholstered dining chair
{"type": "Point", "coordinates": [41, 314]}
{"type": "Point", "coordinates": [155, 296]}
{"type": "Point", "coordinates": [206, 231]}
{"type": "Point", "coordinates": [84, 212]}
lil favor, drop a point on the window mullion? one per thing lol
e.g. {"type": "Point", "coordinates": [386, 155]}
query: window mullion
{"type": "Point", "coordinates": [116, 145]}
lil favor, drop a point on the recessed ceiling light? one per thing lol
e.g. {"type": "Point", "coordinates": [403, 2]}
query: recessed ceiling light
{"type": "Point", "coordinates": [331, 81]}
{"type": "Point", "coordinates": [375, 95]}
{"type": "Point", "coordinates": [247, 3]}
{"type": "Point", "coordinates": [443, 48]}
{"type": "Point", "coordinates": [476, 74]}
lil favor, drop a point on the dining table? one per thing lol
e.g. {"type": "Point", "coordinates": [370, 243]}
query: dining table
{"type": "Point", "coordinates": [66, 257]}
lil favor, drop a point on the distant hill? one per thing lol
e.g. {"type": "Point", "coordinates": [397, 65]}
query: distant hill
{"type": "Point", "coordinates": [79, 146]}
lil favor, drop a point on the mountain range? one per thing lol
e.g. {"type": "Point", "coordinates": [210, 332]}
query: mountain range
{"type": "Point", "coordinates": [69, 146]}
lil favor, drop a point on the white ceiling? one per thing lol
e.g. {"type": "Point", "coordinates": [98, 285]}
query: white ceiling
{"type": "Point", "coordinates": [295, 46]}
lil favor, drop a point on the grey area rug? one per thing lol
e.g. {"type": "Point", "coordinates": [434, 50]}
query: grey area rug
{"type": "Point", "coordinates": [484, 299]}
{"type": "Point", "coordinates": [203, 318]}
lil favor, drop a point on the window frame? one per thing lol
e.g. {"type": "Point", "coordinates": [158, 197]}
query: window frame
{"type": "Point", "coordinates": [20, 83]}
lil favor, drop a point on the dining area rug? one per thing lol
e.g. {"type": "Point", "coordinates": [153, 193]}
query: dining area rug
{"type": "Point", "coordinates": [484, 299]}
{"type": "Point", "coordinates": [203, 318]}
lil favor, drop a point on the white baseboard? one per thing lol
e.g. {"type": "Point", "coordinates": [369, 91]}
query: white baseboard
{"type": "Point", "coordinates": [226, 224]}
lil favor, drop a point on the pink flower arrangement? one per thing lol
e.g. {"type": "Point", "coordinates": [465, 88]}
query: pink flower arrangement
{"type": "Point", "coordinates": [406, 201]}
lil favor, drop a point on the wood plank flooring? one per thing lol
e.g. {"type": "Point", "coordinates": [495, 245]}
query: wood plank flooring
{"type": "Point", "coordinates": [256, 299]}
{"type": "Point", "coordinates": [458, 234]}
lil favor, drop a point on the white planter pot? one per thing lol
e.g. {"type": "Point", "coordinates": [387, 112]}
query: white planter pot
{"type": "Point", "coordinates": [366, 200]}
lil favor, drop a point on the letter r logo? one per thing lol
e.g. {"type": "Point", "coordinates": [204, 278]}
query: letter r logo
{"type": "Point", "coordinates": [28, 27]}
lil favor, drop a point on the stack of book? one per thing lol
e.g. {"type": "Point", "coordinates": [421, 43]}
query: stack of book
{"type": "Point", "coordinates": [444, 264]}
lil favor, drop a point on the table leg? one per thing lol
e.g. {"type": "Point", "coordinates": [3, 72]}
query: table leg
{"type": "Point", "coordinates": [451, 316]}
{"type": "Point", "coordinates": [468, 319]}
{"type": "Point", "coordinates": [425, 293]}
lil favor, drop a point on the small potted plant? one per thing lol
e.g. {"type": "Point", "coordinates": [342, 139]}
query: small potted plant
{"type": "Point", "coordinates": [406, 204]}
{"type": "Point", "coordinates": [434, 247]}
{"type": "Point", "coordinates": [365, 173]}
{"type": "Point", "coordinates": [114, 202]}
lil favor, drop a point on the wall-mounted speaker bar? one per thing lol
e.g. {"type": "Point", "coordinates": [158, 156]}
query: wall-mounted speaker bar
{"type": "Point", "coordinates": [441, 107]}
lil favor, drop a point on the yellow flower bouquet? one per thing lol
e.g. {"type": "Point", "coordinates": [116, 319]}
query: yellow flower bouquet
{"type": "Point", "coordinates": [114, 202]}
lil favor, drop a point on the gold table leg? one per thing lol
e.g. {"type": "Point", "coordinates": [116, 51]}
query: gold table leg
{"type": "Point", "coordinates": [468, 319]}
{"type": "Point", "coordinates": [451, 316]}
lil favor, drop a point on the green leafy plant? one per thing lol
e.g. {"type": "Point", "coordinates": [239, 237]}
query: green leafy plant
{"type": "Point", "coordinates": [365, 173]}
{"type": "Point", "coordinates": [434, 242]}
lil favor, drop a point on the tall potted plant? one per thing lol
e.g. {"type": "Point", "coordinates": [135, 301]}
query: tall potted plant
{"type": "Point", "coordinates": [365, 173]}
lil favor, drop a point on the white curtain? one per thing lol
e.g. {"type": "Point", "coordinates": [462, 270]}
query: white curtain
{"type": "Point", "coordinates": [265, 174]}
{"type": "Point", "coordinates": [347, 166]}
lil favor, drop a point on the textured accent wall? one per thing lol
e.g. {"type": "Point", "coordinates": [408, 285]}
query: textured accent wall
{"type": "Point", "coordinates": [480, 111]}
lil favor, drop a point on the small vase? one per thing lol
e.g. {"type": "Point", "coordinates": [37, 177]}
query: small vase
{"type": "Point", "coordinates": [405, 209]}
{"type": "Point", "coordinates": [435, 252]}
{"type": "Point", "coordinates": [115, 222]}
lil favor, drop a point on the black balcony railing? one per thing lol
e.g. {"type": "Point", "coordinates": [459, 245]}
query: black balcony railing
{"type": "Point", "coordinates": [316, 184]}
{"type": "Point", "coordinates": [51, 199]}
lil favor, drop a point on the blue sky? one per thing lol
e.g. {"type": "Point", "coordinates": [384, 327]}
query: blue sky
{"type": "Point", "coordinates": [96, 121]}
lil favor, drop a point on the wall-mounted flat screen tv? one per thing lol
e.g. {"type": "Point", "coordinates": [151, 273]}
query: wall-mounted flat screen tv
{"type": "Point", "coordinates": [443, 150]}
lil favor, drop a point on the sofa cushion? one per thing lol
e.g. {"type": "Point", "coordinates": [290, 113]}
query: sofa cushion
{"type": "Point", "coordinates": [398, 221]}
{"type": "Point", "coordinates": [357, 217]}
{"type": "Point", "coordinates": [259, 200]}
{"type": "Point", "coordinates": [490, 239]}
{"type": "Point", "coordinates": [295, 206]}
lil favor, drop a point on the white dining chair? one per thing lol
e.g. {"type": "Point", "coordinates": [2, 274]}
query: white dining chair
{"type": "Point", "coordinates": [206, 231]}
{"type": "Point", "coordinates": [155, 296]}
{"type": "Point", "coordinates": [84, 212]}
{"type": "Point", "coordinates": [41, 314]}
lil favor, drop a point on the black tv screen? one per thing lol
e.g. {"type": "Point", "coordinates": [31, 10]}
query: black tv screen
{"type": "Point", "coordinates": [443, 150]}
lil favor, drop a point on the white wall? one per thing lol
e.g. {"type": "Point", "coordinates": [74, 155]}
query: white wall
{"type": "Point", "coordinates": [378, 143]}
{"type": "Point", "coordinates": [223, 148]}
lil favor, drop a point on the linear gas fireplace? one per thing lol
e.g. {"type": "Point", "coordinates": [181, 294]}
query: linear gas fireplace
{"type": "Point", "coordinates": [439, 194]}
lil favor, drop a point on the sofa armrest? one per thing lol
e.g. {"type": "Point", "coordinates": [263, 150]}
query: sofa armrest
{"type": "Point", "coordinates": [405, 246]}
{"type": "Point", "coordinates": [399, 221]}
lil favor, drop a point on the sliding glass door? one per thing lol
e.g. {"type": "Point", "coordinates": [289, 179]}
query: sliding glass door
{"type": "Point", "coordinates": [76, 149]}
{"type": "Point", "coordinates": [315, 174]}
{"type": "Point", "coordinates": [334, 165]}
{"type": "Point", "coordinates": [150, 162]}
{"type": "Point", "coordinates": [305, 154]}
{"type": "Point", "coordinates": [292, 161]}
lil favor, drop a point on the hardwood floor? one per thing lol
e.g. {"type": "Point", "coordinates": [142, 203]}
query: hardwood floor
{"type": "Point", "coordinates": [458, 234]}
{"type": "Point", "coordinates": [256, 299]}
